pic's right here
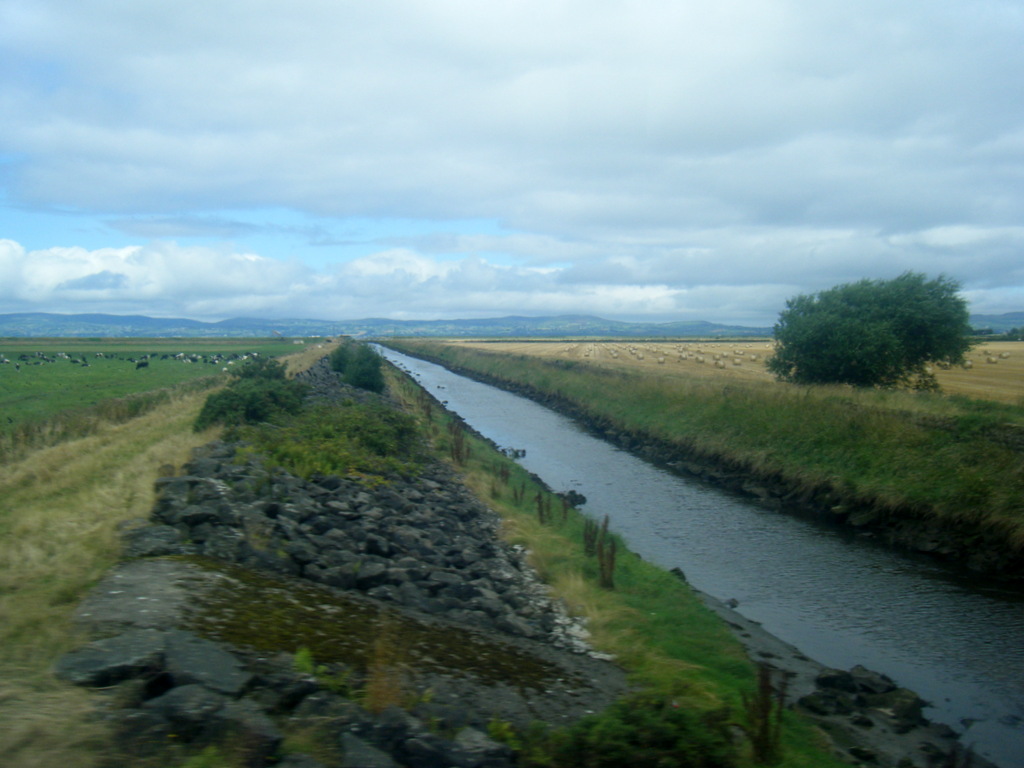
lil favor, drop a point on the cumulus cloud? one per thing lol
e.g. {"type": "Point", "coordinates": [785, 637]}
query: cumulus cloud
{"type": "Point", "coordinates": [641, 159]}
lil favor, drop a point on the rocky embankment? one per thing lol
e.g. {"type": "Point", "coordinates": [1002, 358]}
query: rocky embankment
{"type": "Point", "coordinates": [976, 547]}
{"type": "Point", "coordinates": [373, 625]}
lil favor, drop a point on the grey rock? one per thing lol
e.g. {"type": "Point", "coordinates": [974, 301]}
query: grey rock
{"type": "Point", "coordinates": [191, 708]}
{"type": "Point", "coordinates": [136, 653]}
{"type": "Point", "coordinates": [153, 541]}
{"type": "Point", "coordinates": [191, 659]}
{"type": "Point", "coordinates": [359, 754]}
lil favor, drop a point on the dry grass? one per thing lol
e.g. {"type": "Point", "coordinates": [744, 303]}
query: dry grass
{"type": "Point", "coordinates": [1001, 381]}
{"type": "Point", "coordinates": [60, 512]}
{"type": "Point", "coordinates": [310, 353]}
{"type": "Point", "coordinates": [58, 535]}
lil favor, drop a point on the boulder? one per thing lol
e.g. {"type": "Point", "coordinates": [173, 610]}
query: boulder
{"type": "Point", "coordinates": [190, 659]}
{"type": "Point", "coordinates": [136, 653]}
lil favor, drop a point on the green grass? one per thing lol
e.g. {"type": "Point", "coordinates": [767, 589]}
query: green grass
{"type": "Point", "coordinates": [906, 453]}
{"type": "Point", "coordinates": [43, 403]}
{"type": "Point", "coordinates": [40, 390]}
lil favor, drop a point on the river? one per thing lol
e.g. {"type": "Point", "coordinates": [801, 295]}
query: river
{"type": "Point", "coordinates": [840, 598]}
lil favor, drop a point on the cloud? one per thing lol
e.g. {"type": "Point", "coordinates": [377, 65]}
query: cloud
{"type": "Point", "coordinates": [645, 160]}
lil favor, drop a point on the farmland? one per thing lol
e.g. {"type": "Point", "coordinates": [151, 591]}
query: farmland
{"type": "Point", "coordinates": [1001, 380]}
{"type": "Point", "coordinates": [44, 377]}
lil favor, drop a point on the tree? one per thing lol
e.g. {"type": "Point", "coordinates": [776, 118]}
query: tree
{"type": "Point", "coordinates": [872, 333]}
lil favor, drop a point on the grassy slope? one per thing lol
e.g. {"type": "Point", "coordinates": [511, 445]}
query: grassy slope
{"type": "Point", "coordinates": [919, 453]}
{"type": "Point", "coordinates": [60, 510]}
{"type": "Point", "coordinates": [58, 535]}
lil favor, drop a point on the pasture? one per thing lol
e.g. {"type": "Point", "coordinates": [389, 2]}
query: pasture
{"type": "Point", "coordinates": [995, 372]}
{"type": "Point", "coordinates": [40, 378]}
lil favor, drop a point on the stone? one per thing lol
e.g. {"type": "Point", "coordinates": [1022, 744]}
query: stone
{"type": "Point", "coordinates": [105, 662]}
{"type": "Point", "coordinates": [868, 681]}
{"type": "Point", "coordinates": [153, 541]}
{"type": "Point", "coordinates": [257, 732]}
{"type": "Point", "coordinates": [191, 708]}
{"type": "Point", "coordinates": [191, 659]}
{"type": "Point", "coordinates": [359, 754]}
{"type": "Point", "coordinates": [474, 748]}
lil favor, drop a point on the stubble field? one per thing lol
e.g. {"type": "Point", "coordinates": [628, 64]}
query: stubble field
{"type": "Point", "coordinates": [996, 369]}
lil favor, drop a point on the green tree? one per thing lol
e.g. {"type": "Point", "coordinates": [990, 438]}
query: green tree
{"type": "Point", "coordinates": [364, 370]}
{"type": "Point", "coordinates": [872, 333]}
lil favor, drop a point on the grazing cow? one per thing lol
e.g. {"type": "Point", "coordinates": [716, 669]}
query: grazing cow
{"type": "Point", "coordinates": [142, 364]}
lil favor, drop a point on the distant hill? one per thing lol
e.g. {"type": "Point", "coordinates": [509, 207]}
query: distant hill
{"type": "Point", "coordinates": [998, 323]}
{"type": "Point", "coordinates": [39, 324]}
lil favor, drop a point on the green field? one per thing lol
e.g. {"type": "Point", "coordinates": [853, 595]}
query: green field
{"type": "Point", "coordinates": [46, 377]}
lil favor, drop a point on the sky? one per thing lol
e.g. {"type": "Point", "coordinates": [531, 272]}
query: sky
{"type": "Point", "coordinates": [653, 160]}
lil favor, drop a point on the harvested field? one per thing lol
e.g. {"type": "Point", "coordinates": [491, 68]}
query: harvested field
{"type": "Point", "coordinates": [996, 369]}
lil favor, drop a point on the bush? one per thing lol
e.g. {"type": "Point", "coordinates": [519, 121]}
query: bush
{"type": "Point", "coordinates": [359, 366]}
{"type": "Point", "coordinates": [251, 400]}
{"type": "Point", "coordinates": [644, 731]}
{"type": "Point", "coordinates": [342, 439]}
{"type": "Point", "coordinates": [262, 368]}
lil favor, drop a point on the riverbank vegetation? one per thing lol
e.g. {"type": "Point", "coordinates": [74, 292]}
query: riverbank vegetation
{"type": "Point", "coordinates": [918, 455]}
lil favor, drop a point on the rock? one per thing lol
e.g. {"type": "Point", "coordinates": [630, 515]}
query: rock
{"type": "Point", "coordinates": [298, 761]}
{"type": "Point", "coordinates": [868, 681]}
{"type": "Point", "coordinates": [904, 706]}
{"type": "Point", "coordinates": [863, 754]}
{"type": "Point", "coordinates": [828, 703]}
{"type": "Point", "coordinates": [836, 679]}
{"type": "Point", "coordinates": [254, 730]}
{"type": "Point", "coordinates": [137, 653]}
{"type": "Point", "coordinates": [475, 748]}
{"type": "Point", "coordinates": [191, 708]}
{"type": "Point", "coordinates": [153, 541]}
{"type": "Point", "coordinates": [359, 754]}
{"type": "Point", "coordinates": [191, 659]}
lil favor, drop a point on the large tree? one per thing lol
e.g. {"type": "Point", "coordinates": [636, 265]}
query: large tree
{"type": "Point", "coordinates": [872, 333]}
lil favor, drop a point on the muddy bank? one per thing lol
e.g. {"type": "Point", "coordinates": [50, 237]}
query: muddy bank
{"type": "Point", "coordinates": [969, 545]}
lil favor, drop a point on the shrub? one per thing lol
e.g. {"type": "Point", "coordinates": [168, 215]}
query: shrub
{"type": "Point", "coordinates": [342, 439]}
{"type": "Point", "coordinates": [251, 400]}
{"type": "Point", "coordinates": [645, 731]}
{"type": "Point", "coordinates": [359, 366]}
{"type": "Point", "coordinates": [262, 368]}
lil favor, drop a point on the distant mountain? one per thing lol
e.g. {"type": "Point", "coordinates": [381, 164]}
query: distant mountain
{"type": "Point", "coordinates": [39, 324]}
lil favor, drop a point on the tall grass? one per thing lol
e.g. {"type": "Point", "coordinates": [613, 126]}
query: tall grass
{"type": "Point", "coordinates": [59, 519]}
{"type": "Point", "coordinates": [61, 508]}
{"type": "Point", "coordinates": [923, 454]}
{"type": "Point", "coordinates": [25, 437]}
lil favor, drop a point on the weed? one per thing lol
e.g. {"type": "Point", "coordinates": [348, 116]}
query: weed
{"type": "Point", "coordinates": [764, 717]}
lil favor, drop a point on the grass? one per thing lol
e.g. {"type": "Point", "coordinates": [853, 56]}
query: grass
{"type": "Point", "coordinates": [60, 511]}
{"type": "Point", "coordinates": [911, 453]}
{"type": "Point", "coordinates": [58, 536]}
{"type": "Point", "coordinates": [43, 403]}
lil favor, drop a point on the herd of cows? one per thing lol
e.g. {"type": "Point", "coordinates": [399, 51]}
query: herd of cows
{"type": "Point", "coordinates": [139, 361]}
